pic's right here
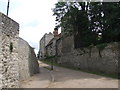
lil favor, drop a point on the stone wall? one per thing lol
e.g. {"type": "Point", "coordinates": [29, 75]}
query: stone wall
{"type": "Point", "coordinates": [9, 30]}
{"type": "Point", "coordinates": [33, 63]}
{"type": "Point", "coordinates": [105, 61]}
{"type": "Point", "coordinates": [17, 59]}
{"type": "Point", "coordinates": [27, 60]}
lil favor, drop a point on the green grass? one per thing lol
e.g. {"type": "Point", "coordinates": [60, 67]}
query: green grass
{"type": "Point", "coordinates": [47, 61]}
{"type": "Point", "coordinates": [102, 74]}
{"type": "Point", "coordinates": [48, 68]}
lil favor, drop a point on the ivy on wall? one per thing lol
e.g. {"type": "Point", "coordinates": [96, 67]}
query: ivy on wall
{"type": "Point", "coordinates": [11, 47]}
{"type": "Point", "coordinates": [100, 48]}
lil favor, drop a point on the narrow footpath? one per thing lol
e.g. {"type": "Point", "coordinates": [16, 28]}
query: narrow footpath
{"type": "Point", "coordinates": [41, 80]}
{"type": "Point", "coordinates": [67, 78]}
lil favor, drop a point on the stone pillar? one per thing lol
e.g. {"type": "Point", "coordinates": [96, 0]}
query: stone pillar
{"type": "Point", "coordinates": [9, 33]}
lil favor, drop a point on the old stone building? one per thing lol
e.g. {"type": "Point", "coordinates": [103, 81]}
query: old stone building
{"type": "Point", "coordinates": [52, 46]}
{"type": "Point", "coordinates": [43, 42]}
{"type": "Point", "coordinates": [59, 46]}
{"type": "Point", "coordinates": [17, 59]}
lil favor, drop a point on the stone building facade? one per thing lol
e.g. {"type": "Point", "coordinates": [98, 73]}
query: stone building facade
{"type": "Point", "coordinates": [52, 45]}
{"type": "Point", "coordinates": [51, 48]}
{"type": "Point", "coordinates": [59, 46]}
{"type": "Point", "coordinates": [43, 42]}
{"type": "Point", "coordinates": [9, 69]}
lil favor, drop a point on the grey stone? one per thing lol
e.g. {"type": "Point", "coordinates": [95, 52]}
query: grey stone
{"type": "Point", "coordinates": [9, 30]}
{"type": "Point", "coordinates": [71, 57]}
{"type": "Point", "coordinates": [17, 58]}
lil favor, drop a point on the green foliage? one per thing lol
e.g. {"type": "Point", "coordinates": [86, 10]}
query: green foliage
{"type": "Point", "coordinates": [38, 55]}
{"type": "Point", "coordinates": [111, 32]}
{"type": "Point", "coordinates": [48, 68]}
{"type": "Point", "coordinates": [90, 48]}
{"type": "Point", "coordinates": [101, 46]}
{"type": "Point", "coordinates": [11, 47]}
{"type": "Point", "coordinates": [50, 57]}
{"type": "Point", "coordinates": [91, 22]}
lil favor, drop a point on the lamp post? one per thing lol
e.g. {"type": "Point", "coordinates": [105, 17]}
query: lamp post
{"type": "Point", "coordinates": [8, 7]}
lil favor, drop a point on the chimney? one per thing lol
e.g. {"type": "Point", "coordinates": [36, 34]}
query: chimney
{"type": "Point", "coordinates": [55, 32]}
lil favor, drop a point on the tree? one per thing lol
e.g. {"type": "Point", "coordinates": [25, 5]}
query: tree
{"type": "Point", "coordinates": [38, 55]}
{"type": "Point", "coordinates": [74, 19]}
{"type": "Point", "coordinates": [91, 22]}
{"type": "Point", "coordinates": [111, 32]}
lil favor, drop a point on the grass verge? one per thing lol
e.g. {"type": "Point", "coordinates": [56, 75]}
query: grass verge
{"type": "Point", "coordinates": [48, 68]}
{"type": "Point", "coordinates": [48, 61]}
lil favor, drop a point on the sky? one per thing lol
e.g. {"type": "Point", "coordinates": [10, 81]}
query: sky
{"type": "Point", "coordinates": [35, 18]}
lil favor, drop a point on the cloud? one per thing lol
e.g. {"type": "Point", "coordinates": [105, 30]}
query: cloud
{"type": "Point", "coordinates": [35, 18]}
{"type": "Point", "coordinates": [32, 10]}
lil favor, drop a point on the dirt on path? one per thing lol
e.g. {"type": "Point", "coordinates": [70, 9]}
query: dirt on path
{"type": "Point", "coordinates": [67, 78]}
{"type": "Point", "coordinates": [41, 80]}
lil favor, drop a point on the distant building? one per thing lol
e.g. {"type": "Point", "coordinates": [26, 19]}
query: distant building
{"type": "Point", "coordinates": [43, 42]}
{"type": "Point", "coordinates": [51, 46]}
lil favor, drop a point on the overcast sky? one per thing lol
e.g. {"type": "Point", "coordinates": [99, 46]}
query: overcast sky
{"type": "Point", "coordinates": [34, 16]}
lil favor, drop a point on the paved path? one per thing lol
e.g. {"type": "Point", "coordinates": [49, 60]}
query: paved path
{"type": "Point", "coordinates": [41, 80]}
{"type": "Point", "coordinates": [66, 78]}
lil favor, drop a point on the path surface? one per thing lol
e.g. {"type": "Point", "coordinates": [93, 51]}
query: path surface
{"type": "Point", "coordinates": [66, 78]}
{"type": "Point", "coordinates": [41, 80]}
